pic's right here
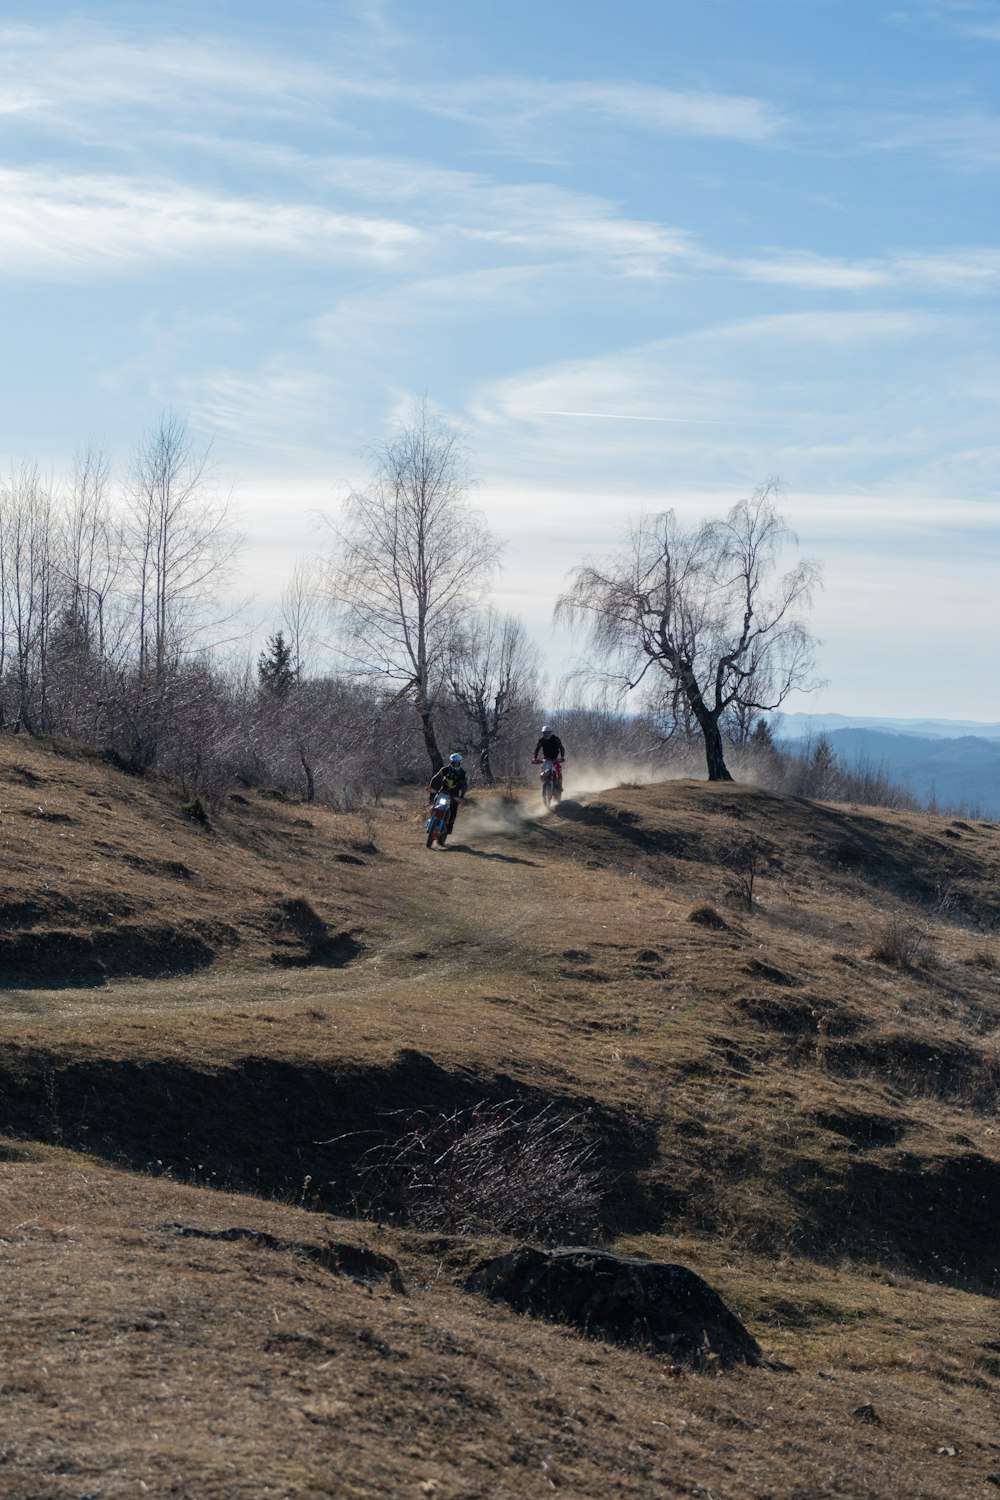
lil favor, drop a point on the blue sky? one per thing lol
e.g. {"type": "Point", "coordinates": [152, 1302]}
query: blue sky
{"type": "Point", "coordinates": [644, 254]}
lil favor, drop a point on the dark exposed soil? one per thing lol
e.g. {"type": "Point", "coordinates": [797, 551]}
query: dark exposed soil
{"type": "Point", "coordinates": [272, 1126]}
{"type": "Point", "coordinates": [268, 1125]}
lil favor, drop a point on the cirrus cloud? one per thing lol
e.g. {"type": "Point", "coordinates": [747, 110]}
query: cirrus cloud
{"type": "Point", "coordinates": [67, 225]}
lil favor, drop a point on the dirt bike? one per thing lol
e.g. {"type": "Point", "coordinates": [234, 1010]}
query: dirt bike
{"type": "Point", "coordinates": [437, 823]}
{"type": "Point", "coordinates": [551, 779]}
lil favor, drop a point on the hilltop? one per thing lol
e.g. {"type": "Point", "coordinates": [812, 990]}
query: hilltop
{"type": "Point", "coordinates": [208, 1012]}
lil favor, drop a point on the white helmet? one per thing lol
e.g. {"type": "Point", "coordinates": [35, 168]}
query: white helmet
{"type": "Point", "coordinates": [546, 728]}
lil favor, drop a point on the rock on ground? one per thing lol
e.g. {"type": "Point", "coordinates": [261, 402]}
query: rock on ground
{"type": "Point", "coordinates": [628, 1301]}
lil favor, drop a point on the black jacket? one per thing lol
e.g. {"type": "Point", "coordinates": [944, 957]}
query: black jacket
{"type": "Point", "coordinates": [551, 747]}
{"type": "Point", "coordinates": [450, 779]}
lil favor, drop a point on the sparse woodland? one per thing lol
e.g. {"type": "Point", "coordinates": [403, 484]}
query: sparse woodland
{"type": "Point", "coordinates": [383, 659]}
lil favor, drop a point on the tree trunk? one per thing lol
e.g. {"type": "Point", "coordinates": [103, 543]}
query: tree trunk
{"type": "Point", "coordinates": [485, 739]}
{"type": "Point", "coordinates": [437, 759]}
{"type": "Point", "coordinates": [708, 723]}
{"type": "Point", "coordinates": [714, 754]}
{"type": "Point", "coordinates": [310, 779]}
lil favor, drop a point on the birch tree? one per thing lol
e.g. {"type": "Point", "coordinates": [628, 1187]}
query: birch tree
{"type": "Point", "coordinates": [179, 541]}
{"type": "Point", "coordinates": [706, 611]}
{"type": "Point", "coordinates": [413, 559]}
{"type": "Point", "coordinates": [29, 586]}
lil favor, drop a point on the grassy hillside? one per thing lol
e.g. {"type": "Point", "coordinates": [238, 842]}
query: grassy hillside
{"type": "Point", "coordinates": [209, 1024]}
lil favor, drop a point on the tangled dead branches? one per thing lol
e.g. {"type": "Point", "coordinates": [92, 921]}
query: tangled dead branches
{"type": "Point", "coordinates": [501, 1168]}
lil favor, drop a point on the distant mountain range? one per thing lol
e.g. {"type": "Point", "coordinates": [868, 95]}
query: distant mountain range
{"type": "Point", "coordinates": [953, 763]}
{"type": "Point", "coordinates": [801, 726]}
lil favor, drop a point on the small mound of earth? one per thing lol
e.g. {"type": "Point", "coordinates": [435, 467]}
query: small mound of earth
{"type": "Point", "coordinates": [337, 1257]}
{"type": "Point", "coordinates": [50, 958]}
{"type": "Point", "coordinates": [761, 970]}
{"type": "Point", "coordinates": [707, 916]}
{"type": "Point", "coordinates": [302, 938]}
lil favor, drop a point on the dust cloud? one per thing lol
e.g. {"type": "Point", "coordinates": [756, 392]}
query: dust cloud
{"type": "Point", "coordinates": [490, 813]}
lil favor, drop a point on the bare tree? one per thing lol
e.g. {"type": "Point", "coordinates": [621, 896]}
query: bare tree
{"type": "Point", "coordinates": [707, 608]}
{"type": "Point", "coordinates": [178, 541]}
{"type": "Point", "coordinates": [300, 612]}
{"type": "Point", "coordinates": [28, 591]}
{"type": "Point", "coordinates": [492, 670]}
{"type": "Point", "coordinates": [91, 634]}
{"type": "Point", "coordinates": [744, 857]}
{"type": "Point", "coordinates": [412, 558]}
{"type": "Point", "coordinates": [92, 546]}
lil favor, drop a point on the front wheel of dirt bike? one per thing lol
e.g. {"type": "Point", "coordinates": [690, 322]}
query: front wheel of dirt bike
{"type": "Point", "coordinates": [431, 834]}
{"type": "Point", "coordinates": [557, 793]}
{"type": "Point", "coordinates": [548, 793]}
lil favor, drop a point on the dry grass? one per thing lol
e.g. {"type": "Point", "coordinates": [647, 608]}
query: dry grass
{"type": "Point", "coordinates": [490, 1168]}
{"type": "Point", "coordinates": [898, 938]}
{"type": "Point", "coordinates": [806, 1129]}
{"type": "Point", "coordinates": [107, 875]}
{"type": "Point", "coordinates": [136, 1359]}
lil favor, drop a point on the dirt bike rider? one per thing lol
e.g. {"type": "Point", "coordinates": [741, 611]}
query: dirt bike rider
{"type": "Point", "coordinates": [550, 748]}
{"type": "Point", "coordinates": [452, 779]}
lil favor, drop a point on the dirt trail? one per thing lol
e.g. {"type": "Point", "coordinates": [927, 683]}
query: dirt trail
{"type": "Point", "coordinates": [496, 907]}
{"type": "Point", "coordinates": [498, 882]}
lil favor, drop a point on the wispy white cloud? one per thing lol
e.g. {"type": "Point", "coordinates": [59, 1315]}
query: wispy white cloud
{"type": "Point", "coordinates": [544, 218]}
{"type": "Point", "coordinates": [471, 209]}
{"type": "Point", "coordinates": [64, 223]}
{"type": "Point", "coordinates": [74, 68]}
{"type": "Point", "coordinates": [62, 70]}
{"type": "Point", "coordinates": [363, 321]}
{"type": "Point", "coordinates": [374, 16]}
{"type": "Point", "coordinates": [516, 104]}
{"type": "Point", "coordinates": [831, 328]}
{"type": "Point", "coordinates": [76, 79]}
{"type": "Point", "coordinates": [816, 397]}
{"type": "Point", "coordinates": [389, 178]}
{"type": "Point", "coordinates": [277, 407]}
{"type": "Point", "coordinates": [802, 269]}
{"type": "Point", "coordinates": [67, 225]}
{"type": "Point", "coordinates": [18, 102]}
{"type": "Point", "coordinates": [472, 214]}
{"type": "Point", "coordinates": [454, 207]}
{"type": "Point", "coordinates": [970, 138]}
{"type": "Point", "coordinates": [973, 269]}
{"type": "Point", "coordinates": [628, 416]}
{"type": "Point", "coordinates": [965, 270]}
{"type": "Point", "coordinates": [978, 18]}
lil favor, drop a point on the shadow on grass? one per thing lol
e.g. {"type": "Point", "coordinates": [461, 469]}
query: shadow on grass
{"type": "Point", "coordinates": [506, 859]}
{"type": "Point", "coordinates": [58, 959]}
